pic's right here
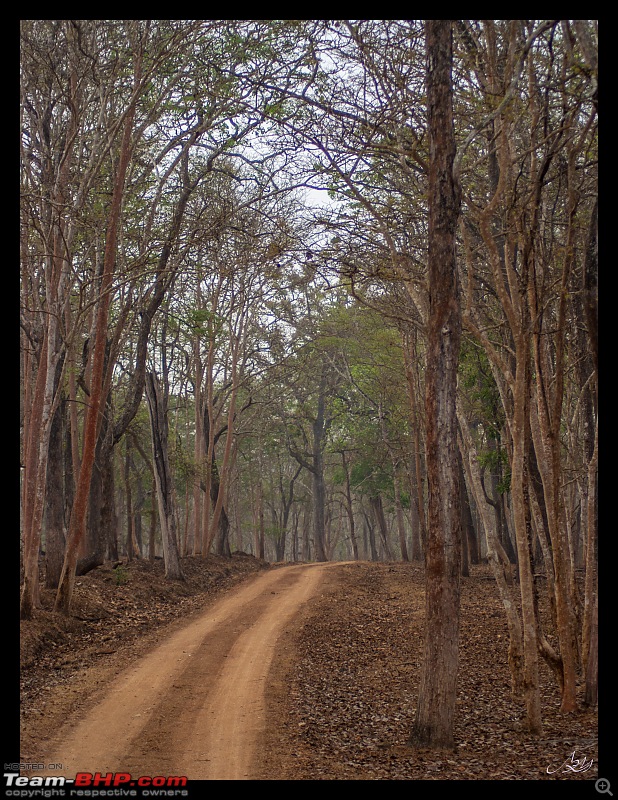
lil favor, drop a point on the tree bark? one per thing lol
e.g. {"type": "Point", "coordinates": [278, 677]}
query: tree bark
{"type": "Point", "coordinates": [349, 506]}
{"type": "Point", "coordinates": [378, 512]}
{"type": "Point", "coordinates": [91, 425]}
{"type": "Point", "coordinates": [591, 589]}
{"type": "Point", "coordinates": [319, 489]}
{"type": "Point", "coordinates": [435, 715]}
{"type": "Point", "coordinates": [163, 478]}
{"type": "Point", "coordinates": [521, 515]}
{"type": "Point", "coordinates": [54, 512]}
{"type": "Point", "coordinates": [416, 473]}
{"type": "Point", "coordinates": [498, 558]}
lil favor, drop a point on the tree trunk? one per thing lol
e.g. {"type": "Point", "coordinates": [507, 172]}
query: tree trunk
{"type": "Point", "coordinates": [219, 524]}
{"type": "Point", "coordinates": [416, 473]}
{"type": "Point", "coordinates": [349, 507]}
{"type": "Point", "coordinates": [498, 558]}
{"type": "Point", "coordinates": [153, 521]}
{"type": "Point", "coordinates": [590, 279]}
{"type": "Point", "coordinates": [163, 478]}
{"type": "Point", "coordinates": [96, 539]}
{"type": "Point", "coordinates": [258, 519]}
{"type": "Point", "coordinates": [521, 516]}
{"type": "Point", "coordinates": [370, 539]}
{"type": "Point", "coordinates": [131, 549]}
{"type": "Point", "coordinates": [435, 716]}
{"type": "Point", "coordinates": [378, 511]}
{"type": "Point", "coordinates": [590, 621]}
{"type": "Point", "coordinates": [468, 535]}
{"type": "Point", "coordinates": [54, 513]}
{"type": "Point", "coordinates": [319, 489]}
{"type": "Point", "coordinates": [91, 425]}
{"type": "Point", "coordinates": [592, 662]}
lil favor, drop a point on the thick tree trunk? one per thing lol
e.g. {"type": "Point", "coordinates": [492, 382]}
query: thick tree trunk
{"type": "Point", "coordinates": [435, 716]}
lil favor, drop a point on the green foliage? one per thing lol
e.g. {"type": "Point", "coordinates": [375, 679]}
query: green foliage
{"type": "Point", "coordinates": [198, 320]}
{"type": "Point", "coordinates": [121, 574]}
{"type": "Point", "coordinates": [479, 388]}
{"type": "Point", "coordinates": [370, 478]}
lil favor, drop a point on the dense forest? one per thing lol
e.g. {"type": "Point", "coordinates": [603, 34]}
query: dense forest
{"type": "Point", "coordinates": [317, 290]}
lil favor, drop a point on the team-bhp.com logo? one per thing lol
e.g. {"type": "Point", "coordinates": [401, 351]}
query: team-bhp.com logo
{"type": "Point", "coordinates": [89, 784]}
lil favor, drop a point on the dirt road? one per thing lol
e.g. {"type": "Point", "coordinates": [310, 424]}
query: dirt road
{"type": "Point", "coordinates": [194, 706]}
{"type": "Point", "coordinates": [245, 671]}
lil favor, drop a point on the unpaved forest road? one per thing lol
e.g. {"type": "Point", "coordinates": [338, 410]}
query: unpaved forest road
{"type": "Point", "coordinates": [195, 705]}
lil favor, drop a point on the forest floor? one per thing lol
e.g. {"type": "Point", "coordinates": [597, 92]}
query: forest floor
{"type": "Point", "coordinates": [340, 671]}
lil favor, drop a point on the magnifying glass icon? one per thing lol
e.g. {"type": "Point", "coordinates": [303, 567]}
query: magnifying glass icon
{"type": "Point", "coordinates": [602, 786]}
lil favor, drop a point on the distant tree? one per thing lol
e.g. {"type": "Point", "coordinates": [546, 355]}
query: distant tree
{"type": "Point", "coordinates": [158, 411]}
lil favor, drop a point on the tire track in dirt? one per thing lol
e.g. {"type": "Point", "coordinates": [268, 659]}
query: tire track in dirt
{"type": "Point", "coordinates": [195, 705]}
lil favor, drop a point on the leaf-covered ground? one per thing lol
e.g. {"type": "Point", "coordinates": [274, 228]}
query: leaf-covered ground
{"type": "Point", "coordinates": [344, 682]}
{"type": "Point", "coordinates": [353, 683]}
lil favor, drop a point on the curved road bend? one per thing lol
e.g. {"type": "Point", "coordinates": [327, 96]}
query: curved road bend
{"type": "Point", "coordinates": [195, 705]}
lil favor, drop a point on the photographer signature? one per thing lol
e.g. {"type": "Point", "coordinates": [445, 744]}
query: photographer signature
{"type": "Point", "coordinates": [572, 764]}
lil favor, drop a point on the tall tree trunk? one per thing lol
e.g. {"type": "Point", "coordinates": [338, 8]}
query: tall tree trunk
{"type": "Point", "coordinates": [349, 506]}
{"type": "Point", "coordinates": [153, 521]}
{"type": "Point", "coordinates": [521, 515]}
{"type": "Point", "coordinates": [199, 441]}
{"type": "Point", "coordinates": [91, 425]}
{"type": "Point", "coordinates": [546, 418]}
{"type": "Point", "coordinates": [54, 512]}
{"type": "Point", "coordinates": [467, 525]}
{"type": "Point", "coordinates": [219, 524]}
{"type": "Point", "coordinates": [590, 279]}
{"type": "Point", "coordinates": [163, 478]}
{"type": "Point", "coordinates": [498, 558]}
{"type": "Point", "coordinates": [98, 534]}
{"type": "Point", "coordinates": [131, 547]}
{"type": "Point", "coordinates": [287, 498]}
{"type": "Point", "coordinates": [319, 488]}
{"type": "Point", "coordinates": [45, 395]}
{"type": "Point", "coordinates": [370, 538]}
{"type": "Point", "coordinates": [435, 715]}
{"type": "Point", "coordinates": [416, 471]}
{"type": "Point", "coordinates": [590, 640]}
{"type": "Point", "coordinates": [378, 511]}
